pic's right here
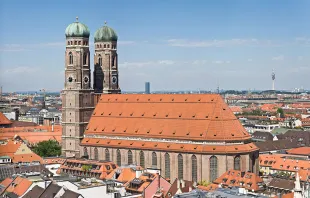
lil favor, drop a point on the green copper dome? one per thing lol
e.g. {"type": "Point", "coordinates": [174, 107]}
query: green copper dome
{"type": "Point", "coordinates": [104, 34]}
{"type": "Point", "coordinates": [77, 29]}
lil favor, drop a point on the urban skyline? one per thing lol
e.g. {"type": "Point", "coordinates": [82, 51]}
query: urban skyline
{"type": "Point", "coordinates": [235, 44]}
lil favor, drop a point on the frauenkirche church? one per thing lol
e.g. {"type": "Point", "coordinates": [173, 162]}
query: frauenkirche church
{"type": "Point", "coordinates": [187, 136]}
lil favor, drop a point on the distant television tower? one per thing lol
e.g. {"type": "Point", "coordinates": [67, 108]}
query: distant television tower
{"type": "Point", "coordinates": [273, 77]}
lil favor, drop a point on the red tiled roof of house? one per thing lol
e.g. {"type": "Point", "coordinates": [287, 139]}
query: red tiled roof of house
{"type": "Point", "coordinates": [174, 116]}
{"type": "Point", "coordinates": [126, 174]}
{"type": "Point", "coordinates": [4, 120]}
{"type": "Point", "coordinates": [288, 195]}
{"type": "Point", "coordinates": [299, 151]}
{"type": "Point", "coordinates": [75, 165]}
{"type": "Point", "coordinates": [53, 160]}
{"type": "Point", "coordinates": [33, 135]}
{"type": "Point", "coordinates": [10, 149]}
{"type": "Point", "coordinates": [19, 186]}
{"type": "Point", "coordinates": [237, 178]}
{"type": "Point", "coordinates": [235, 109]}
{"type": "Point", "coordinates": [270, 107]}
{"type": "Point", "coordinates": [292, 165]}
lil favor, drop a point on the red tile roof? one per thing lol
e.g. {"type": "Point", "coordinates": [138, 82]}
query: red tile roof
{"type": "Point", "coordinates": [33, 135]}
{"type": "Point", "coordinates": [19, 186]}
{"type": "Point", "coordinates": [10, 149]}
{"type": "Point", "coordinates": [178, 116]}
{"type": "Point", "coordinates": [164, 146]}
{"type": "Point", "coordinates": [237, 178]}
{"type": "Point", "coordinates": [299, 151]}
{"type": "Point", "coordinates": [4, 120]}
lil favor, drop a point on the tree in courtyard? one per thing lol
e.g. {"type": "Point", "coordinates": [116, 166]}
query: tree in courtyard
{"type": "Point", "coordinates": [281, 112]}
{"type": "Point", "coordinates": [49, 148]}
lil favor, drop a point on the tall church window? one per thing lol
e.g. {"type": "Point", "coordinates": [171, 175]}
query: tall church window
{"type": "Point", "coordinates": [180, 166]}
{"type": "Point", "coordinates": [154, 159]}
{"type": "Point", "coordinates": [237, 162]}
{"type": "Point", "coordinates": [107, 154]}
{"type": "Point", "coordinates": [85, 152]}
{"type": "Point", "coordinates": [85, 59]}
{"type": "Point", "coordinates": [99, 60]}
{"type": "Point", "coordinates": [129, 157]}
{"type": "Point", "coordinates": [142, 159]}
{"type": "Point", "coordinates": [118, 157]}
{"type": "Point", "coordinates": [96, 153]}
{"type": "Point", "coordinates": [70, 58]}
{"type": "Point", "coordinates": [213, 168]}
{"type": "Point", "coordinates": [167, 165]}
{"type": "Point", "coordinates": [194, 168]}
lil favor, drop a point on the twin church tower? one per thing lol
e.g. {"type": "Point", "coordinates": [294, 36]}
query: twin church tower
{"type": "Point", "coordinates": [79, 97]}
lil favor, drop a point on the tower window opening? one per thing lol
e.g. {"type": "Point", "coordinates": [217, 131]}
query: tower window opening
{"type": "Point", "coordinates": [68, 42]}
{"type": "Point", "coordinates": [100, 60]}
{"type": "Point", "coordinates": [71, 42]}
{"type": "Point", "coordinates": [108, 46]}
{"type": "Point", "coordinates": [85, 59]}
{"type": "Point", "coordinates": [100, 46]}
{"type": "Point", "coordinates": [79, 42]}
{"type": "Point", "coordinates": [70, 58]}
{"type": "Point", "coordinates": [104, 46]}
{"type": "Point", "coordinates": [75, 42]}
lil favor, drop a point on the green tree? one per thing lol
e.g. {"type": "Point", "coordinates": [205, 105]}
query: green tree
{"type": "Point", "coordinates": [281, 112]}
{"type": "Point", "coordinates": [86, 167]}
{"type": "Point", "coordinates": [49, 148]}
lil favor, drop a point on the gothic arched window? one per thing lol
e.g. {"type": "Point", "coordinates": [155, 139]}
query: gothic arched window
{"type": "Point", "coordinates": [213, 168]}
{"type": "Point", "coordinates": [194, 168]}
{"type": "Point", "coordinates": [85, 59]}
{"type": "Point", "coordinates": [85, 152]}
{"type": "Point", "coordinates": [180, 166]}
{"type": "Point", "coordinates": [96, 153]}
{"type": "Point", "coordinates": [118, 157]}
{"type": "Point", "coordinates": [154, 159]}
{"type": "Point", "coordinates": [237, 162]}
{"type": "Point", "coordinates": [70, 58]}
{"type": "Point", "coordinates": [129, 157]}
{"type": "Point", "coordinates": [142, 159]}
{"type": "Point", "coordinates": [107, 154]}
{"type": "Point", "coordinates": [167, 165]}
{"type": "Point", "coordinates": [99, 60]}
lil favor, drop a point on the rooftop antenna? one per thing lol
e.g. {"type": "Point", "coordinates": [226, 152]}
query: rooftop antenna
{"type": "Point", "coordinates": [218, 87]}
{"type": "Point", "coordinates": [0, 93]}
{"type": "Point", "coordinates": [273, 77]}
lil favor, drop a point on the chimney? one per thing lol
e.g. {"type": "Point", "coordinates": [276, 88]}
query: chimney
{"type": "Point", "coordinates": [178, 184]}
{"type": "Point", "coordinates": [158, 177]}
{"type": "Point", "coordinates": [52, 126]}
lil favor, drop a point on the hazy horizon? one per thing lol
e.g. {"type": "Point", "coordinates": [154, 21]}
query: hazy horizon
{"type": "Point", "coordinates": [175, 45]}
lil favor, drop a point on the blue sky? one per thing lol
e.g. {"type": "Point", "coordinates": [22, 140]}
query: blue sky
{"type": "Point", "coordinates": [176, 44]}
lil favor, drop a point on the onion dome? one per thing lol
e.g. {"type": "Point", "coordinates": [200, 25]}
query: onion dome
{"type": "Point", "coordinates": [77, 29]}
{"type": "Point", "coordinates": [105, 34]}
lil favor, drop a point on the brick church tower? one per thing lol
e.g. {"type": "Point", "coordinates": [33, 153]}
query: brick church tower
{"type": "Point", "coordinates": [77, 98]}
{"type": "Point", "coordinates": [105, 60]}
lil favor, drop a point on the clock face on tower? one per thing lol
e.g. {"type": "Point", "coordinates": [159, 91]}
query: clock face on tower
{"type": "Point", "coordinates": [70, 79]}
{"type": "Point", "coordinates": [114, 80]}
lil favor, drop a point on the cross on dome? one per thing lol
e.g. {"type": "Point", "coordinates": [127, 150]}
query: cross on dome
{"type": "Point", "coordinates": [77, 18]}
{"type": "Point", "coordinates": [105, 22]}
